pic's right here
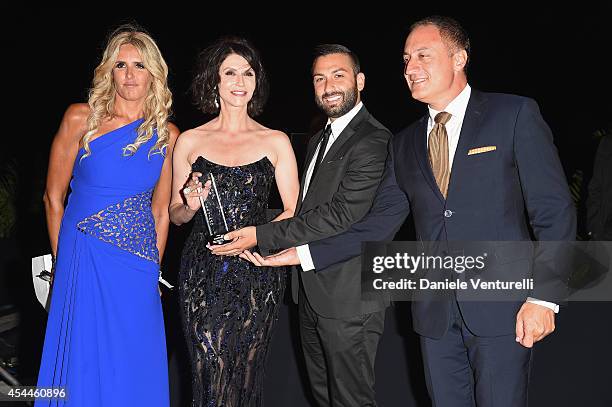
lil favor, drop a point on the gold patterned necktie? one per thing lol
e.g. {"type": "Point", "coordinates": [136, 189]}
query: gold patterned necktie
{"type": "Point", "coordinates": [438, 152]}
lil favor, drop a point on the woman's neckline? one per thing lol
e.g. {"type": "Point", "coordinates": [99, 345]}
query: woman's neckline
{"type": "Point", "coordinates": [264, 158]}
{"type": "Point", "coordinates": [103, 135]}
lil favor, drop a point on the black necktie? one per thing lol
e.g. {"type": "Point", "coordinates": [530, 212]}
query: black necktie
{"type": "Point", "coordinates": [322, 148]}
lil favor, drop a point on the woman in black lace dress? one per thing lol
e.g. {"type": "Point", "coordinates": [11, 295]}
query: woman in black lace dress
{"type": "Point", "coordinates": [229, 306]}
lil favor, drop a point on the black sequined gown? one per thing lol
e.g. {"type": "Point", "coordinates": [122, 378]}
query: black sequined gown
{"type": "Point", "coordinates": [229, 306]}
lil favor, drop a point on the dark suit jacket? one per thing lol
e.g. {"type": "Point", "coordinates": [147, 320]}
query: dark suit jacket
{"type": "Point", "coordinates": [492, 196]}
{"type": "Point", "coordinates": [599, 203]}
{"type": "Point", "coordinates": [339, 195]}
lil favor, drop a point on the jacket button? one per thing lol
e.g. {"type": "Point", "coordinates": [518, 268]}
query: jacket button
{"type": "Point", "coordinates": [448, 213]}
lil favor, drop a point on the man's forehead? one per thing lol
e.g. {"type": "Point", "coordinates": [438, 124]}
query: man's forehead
{"type": "Point", "coordinates": [339, 60]}
{"type": "Point", "coordinates": [410, 51]}
{"type": "Point", "coordinates": [332, 69]}
{"type": "Point", "coordinates": [424, 33]}
{"type": "Point", "coordinates": [417, 41]}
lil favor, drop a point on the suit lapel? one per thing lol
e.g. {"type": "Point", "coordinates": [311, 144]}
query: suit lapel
{"type": "Point", "coordinates": [469, 129]}
{"type": "Point", "coordinates": [312, 145]}
{"type": "Point", "coordinates": [346, 134]}
{"type": "Point", "coordinates": [344, 137]}
{"type": "Point", "coordinates": [420, 148]}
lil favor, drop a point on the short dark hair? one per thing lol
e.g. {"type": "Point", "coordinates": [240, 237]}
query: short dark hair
{"type": "Point", "coordinates": [328, 49]}
{"type": "Point", "coordinates": [204, 85]}
{"type": "Point", "coordinates": [451, 31]}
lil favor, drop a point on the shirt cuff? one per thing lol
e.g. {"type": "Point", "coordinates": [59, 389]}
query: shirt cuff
{"type": "Point", "coordinates": [546, 304]}
{"type": "Point", "coordinates": [306, 262]}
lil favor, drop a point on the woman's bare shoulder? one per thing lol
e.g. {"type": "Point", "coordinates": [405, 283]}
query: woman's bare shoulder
{"type": "Point", "coordinates": [202, 130]}
{"type": "Point", "coordinates": [192, 137]}
{"type": "Point", "coordinates": [74, 122]}
{"type": "Point", "coordinates": [275, 137]}
{"type": "Point", "coordinates": [77, 114]}
{"type": "Point", "coordinates": [173, 129]}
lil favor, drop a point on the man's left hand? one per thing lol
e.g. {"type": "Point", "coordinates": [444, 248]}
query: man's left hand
{"type": "Point", "coordinates": [533, 323]}
{"type": "Point", "coordinates": [241, 240]}
{"type": "Point", "coordinates": [287, 257]}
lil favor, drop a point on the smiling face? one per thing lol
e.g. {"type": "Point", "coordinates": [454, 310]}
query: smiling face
{"type": "Point", "coordinates": [434, 72]}
{"type": "Point", "coordinates": [336, 87]}
{"type": "Point", "coordinates": [132, 80]}
{"type": "Point", "coordinates": [237, 82]}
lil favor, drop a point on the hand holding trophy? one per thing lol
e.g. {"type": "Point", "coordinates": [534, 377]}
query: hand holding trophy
{"type": "Point", "coordinates": [214, 214]}
{"type": "Point", "coordinates": [194, 192]}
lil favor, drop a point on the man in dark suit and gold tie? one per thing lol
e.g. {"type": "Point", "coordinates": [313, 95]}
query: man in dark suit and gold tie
{"type": "Point", "coordinates": [344, 165]}
{"type": "Point", "coordinates": [477, 167]}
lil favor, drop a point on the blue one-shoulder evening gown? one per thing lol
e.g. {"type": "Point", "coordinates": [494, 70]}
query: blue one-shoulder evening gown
{"type": "Point", "coordinates": [105, 341]}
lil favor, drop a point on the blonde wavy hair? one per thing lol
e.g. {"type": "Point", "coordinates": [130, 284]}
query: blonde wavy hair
{"type": "Point", "coordinates": [157, 102]}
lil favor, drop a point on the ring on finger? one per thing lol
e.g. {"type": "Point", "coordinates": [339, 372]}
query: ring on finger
{"type": "Point", "coordinates": [187, 190]}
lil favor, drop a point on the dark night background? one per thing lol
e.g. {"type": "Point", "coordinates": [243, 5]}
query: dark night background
{"type": "Point", "coordinates": [560, 57]}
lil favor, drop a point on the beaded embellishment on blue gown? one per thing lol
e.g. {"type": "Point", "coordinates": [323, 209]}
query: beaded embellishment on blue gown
{"type": "Point", "coordinates": [229, 306]}
{"type": "Point", "coordinates": [105, 341]}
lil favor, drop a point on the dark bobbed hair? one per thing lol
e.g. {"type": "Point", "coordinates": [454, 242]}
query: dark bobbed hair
{"type": "Point", "coordinates": [451, 31]}
{"type": "Point", "coordinates": [204, 85]}
{"type": "Point", "coordinates": [328, 49]}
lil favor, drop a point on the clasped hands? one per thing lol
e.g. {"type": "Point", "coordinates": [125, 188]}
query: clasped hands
{"type": "Point", "coordinates": [241, 240]}
{"type": "Point", "coordinates": [246, 238]}
{"type": "Point", "coordinates": [533, 321]}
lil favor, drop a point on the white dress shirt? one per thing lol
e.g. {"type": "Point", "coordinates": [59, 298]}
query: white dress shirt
{"type": "Point", "coordinates": [457, 108]}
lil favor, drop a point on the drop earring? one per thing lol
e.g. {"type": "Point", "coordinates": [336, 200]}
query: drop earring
{"type": "Point", "coordinates": [216, 97]}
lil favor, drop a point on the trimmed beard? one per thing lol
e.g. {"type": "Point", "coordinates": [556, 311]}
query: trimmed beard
{"type": "Point", "coordinates": [349, 100]}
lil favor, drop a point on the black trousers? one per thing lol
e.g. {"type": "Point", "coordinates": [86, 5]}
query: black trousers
{"type": "Point", "coordinates": [464, 370]}
{"type": "Point", "coordinates": [340, 355]}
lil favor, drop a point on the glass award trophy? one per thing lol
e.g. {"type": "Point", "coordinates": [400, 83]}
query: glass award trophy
{"type": "Point", "coordinates": [214, 215]}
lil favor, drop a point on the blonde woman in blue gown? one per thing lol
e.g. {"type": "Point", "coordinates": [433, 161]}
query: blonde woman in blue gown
{"type": "Point", "coordinates": [105, 341]}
